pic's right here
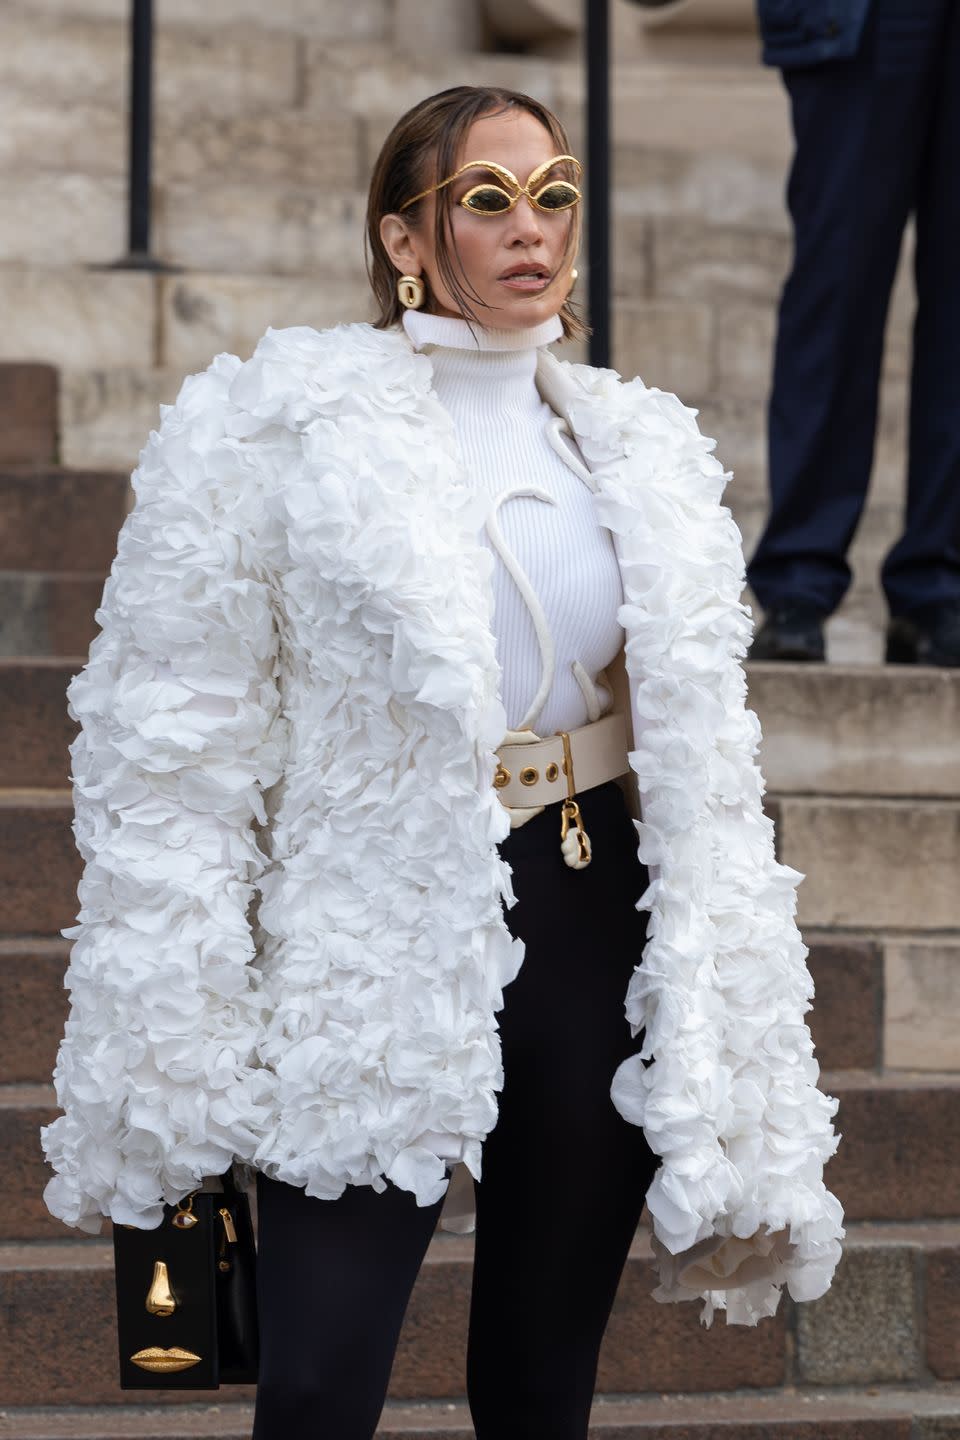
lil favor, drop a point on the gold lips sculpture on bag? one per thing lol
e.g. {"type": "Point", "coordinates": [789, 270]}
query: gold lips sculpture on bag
{"type": "Point", "coordinates": [164, 1362]}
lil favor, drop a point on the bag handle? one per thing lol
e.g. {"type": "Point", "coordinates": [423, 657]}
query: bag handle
{"type": "Point", "coordinates": [230, 1186]}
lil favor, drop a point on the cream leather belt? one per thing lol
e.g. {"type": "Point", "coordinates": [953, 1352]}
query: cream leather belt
{"type": "Point", "coordinates": [535, 772]}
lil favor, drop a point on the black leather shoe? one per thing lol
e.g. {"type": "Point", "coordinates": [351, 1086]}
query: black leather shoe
{"type": "Point", "coordinates": [933, 639]}
{"type": "Point", "coordinates": [789, 632]}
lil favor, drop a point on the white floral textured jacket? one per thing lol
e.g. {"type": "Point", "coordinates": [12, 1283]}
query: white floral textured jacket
{"type": "Point", "coordinates": [291, 944]}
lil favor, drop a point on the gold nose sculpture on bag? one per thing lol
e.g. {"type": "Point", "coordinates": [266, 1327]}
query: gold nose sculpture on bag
{"type": "Point", "coordinates": [160, 1298]}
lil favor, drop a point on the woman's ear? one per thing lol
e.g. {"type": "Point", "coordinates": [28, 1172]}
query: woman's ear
{"type": "Point", "coordinates": [400, 245]}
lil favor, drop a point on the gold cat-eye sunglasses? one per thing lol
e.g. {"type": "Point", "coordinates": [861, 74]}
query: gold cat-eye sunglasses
{"type": "Point", "coordinates": [487, 199]}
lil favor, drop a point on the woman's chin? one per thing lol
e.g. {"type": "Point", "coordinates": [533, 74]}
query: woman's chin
{"type": "Point", "coordinates": [522, 311]}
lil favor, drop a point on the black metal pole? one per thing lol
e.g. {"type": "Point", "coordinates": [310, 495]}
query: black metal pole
{"type": "Point", "coordinates": [140, 153]}
{"type": "Point", "coordinates": [597, 25]}
{"type": "Point", "coordinates": [141, 117]}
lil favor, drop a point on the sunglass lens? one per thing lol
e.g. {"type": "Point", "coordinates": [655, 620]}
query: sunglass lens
{"type": "Point", "coordinates": [559, 195]}
{"type": "Point", "coordinates": [487, 200]}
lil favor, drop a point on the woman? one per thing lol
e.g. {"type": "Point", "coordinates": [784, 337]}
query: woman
{"type": "Point", "coordinates": [407, 625]}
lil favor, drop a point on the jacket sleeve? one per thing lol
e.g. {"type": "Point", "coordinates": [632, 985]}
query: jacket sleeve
{"type": "Point", "coordinates": [179, 716]}
{"type": "Point", "coordinates": [731, 1101]}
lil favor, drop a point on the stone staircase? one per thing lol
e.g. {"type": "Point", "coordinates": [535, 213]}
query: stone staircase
{"type": "Point", "coordinates": [865, 784]}
{"type": "Point", "coordinates": [268, 121]}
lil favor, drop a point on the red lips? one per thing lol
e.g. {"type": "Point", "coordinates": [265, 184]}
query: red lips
{"type": "Point", "coordinates": [530, 267]}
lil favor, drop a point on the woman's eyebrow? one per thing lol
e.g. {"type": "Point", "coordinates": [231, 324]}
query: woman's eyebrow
{"type": "Point", "coordinates": [476, 170]}
{"type": "Point", "coordinates": [550, 168]}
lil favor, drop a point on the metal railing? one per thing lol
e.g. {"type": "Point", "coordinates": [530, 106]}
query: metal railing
{"type": "Point", "coordinates": [597, 30]}
{"type": "Point", "coordinates": [139, 254]}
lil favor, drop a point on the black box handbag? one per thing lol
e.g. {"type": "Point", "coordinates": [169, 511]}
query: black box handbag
{"type": "Point", "coordinates": [187, 1296]}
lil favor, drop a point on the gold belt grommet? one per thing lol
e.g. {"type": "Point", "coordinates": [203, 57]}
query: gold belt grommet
{"type": "Point", "coordinates": [529, 775]}
{"type": "Point", "coordinates": [501, 778]}
{"type": "Point", "coordinates": [552, 771]}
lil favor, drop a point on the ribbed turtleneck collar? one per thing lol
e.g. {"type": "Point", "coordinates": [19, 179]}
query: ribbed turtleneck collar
{"type": "Point", "coordinates": [454, 334]}
{"type": "Point", "coordinates": [497, 366]}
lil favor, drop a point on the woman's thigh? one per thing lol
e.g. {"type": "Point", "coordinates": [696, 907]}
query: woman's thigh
{"type": "Point", "coordinates": [333, 1281]}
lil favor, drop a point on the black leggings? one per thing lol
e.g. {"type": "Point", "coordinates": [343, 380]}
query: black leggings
{"type": "Point", "coordinates": [564, 1179]}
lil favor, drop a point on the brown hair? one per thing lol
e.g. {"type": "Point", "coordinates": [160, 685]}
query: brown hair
{"type": "Point", "coordinates": [437, 126]}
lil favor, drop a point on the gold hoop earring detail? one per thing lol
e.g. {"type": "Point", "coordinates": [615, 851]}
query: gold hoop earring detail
{"type": "Point", "coordinates": [411, 291]}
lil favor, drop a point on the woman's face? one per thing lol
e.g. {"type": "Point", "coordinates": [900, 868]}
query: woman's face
{"type": "Point", "coordinates": [507, 259]}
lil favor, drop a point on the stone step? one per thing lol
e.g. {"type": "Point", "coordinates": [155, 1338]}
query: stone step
{"type": "Point", "coordinates": [896, 1161]}
{"type": "Point", "coordinates": [877, 865]}
{"type": "Point", "coordinates": [868, 730]}
{"type": "Point", "coordinates": [28, 413]}
{"type": "Point", "coordinates": [47, 616]}
{"type": "Point", "coordinates": [34, 722]}
{"type": "Point", "coordinates": [38, 861]}
{"type": "Point", "coordinates": [34, 1009]}
{"type": "Point", "coordinates": [53, 519]}
{"type": "Point", "coordinates": [904, 1278]}
{"type": "Point", "coordinates": [107, 411]}
{"type": "Point", "coordinates": [828, 730]}
{"type": "Point", "coordinates": [51, 614]}
{"type": "Point", "coordinates": [892, 1004]}
{"type": "Point", "coordinates": [233, 70]}
{"type": "Point", "coordinates": [47, 1294]}
{"type": "Point", "coordinates": [894, 1413]}
{"type": "Point", "coordinates": [848, 1021]}
{"type": "Point", "coordinates": [101, 327]}
{"type": "Point", "coordinates": [902, 1134]}
{"type": "Point", "coordinates": [334, 18]}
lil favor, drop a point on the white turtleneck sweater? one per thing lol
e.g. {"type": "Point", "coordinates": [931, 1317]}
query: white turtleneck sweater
{"type": "Point", "coordinates": [556, 582]}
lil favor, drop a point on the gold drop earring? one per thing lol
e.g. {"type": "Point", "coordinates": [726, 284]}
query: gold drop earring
{"type": "Point", "coordinates": [411, 291]}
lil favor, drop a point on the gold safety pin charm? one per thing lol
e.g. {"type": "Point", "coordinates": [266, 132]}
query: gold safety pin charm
{"type": "Point", "coordinates": [575, 845]}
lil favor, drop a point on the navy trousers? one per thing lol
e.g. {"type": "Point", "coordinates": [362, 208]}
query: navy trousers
{"type": "Point", "coordinates": [564, 1180]}
{"type": "Point", "coordinates": [877, 138]}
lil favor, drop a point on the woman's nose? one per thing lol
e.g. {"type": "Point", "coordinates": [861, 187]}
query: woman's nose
{"type": "Point", "coordinates": [526, 231]}
{"type": "Point", "coordinates": [526, 222]}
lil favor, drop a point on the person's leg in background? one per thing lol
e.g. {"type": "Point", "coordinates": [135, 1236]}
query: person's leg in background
{"type": "Point", "coordinates": [564, 1175]}
{"type": "Point", "coordinates": [860, 127]}
{"type": "Point", "coordinates": [333, 1281]}
{"type": "Point", "coordinates": [921, 575]}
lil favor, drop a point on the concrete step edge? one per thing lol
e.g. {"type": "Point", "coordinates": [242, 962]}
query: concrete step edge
{"type": "Point", "coordinates": [865, 802]}
{"type": "Point", "coordinates": [45, 662]}
{"type": "Point", "coordinates": [96, 1251]}
{"type": "Point", "coordinates": [891, 1080]}
{"type": "Point", "coordinates": [37, 471]}
{"type": "Point", "coordinates": [43, 945]}
{"type": "Point", "coordinates": [748, 1407]}
{"type": "Point", "coordinates": [52, 798]}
